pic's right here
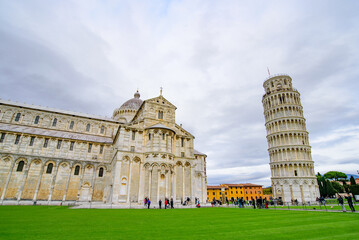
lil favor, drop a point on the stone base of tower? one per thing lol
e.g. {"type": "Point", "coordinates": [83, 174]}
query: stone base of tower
{"type": "Point", "coordinates": [288, 189]}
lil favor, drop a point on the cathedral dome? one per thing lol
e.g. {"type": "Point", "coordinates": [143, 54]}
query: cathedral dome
{"type": "Point", "coordinates": [133, 103]}
{"type": "Point", "coordinates": [128, 110]}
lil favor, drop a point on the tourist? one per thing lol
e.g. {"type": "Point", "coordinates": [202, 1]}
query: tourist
{"type": "Point", "coordinates": [341, 203]}
{"type": "Point", "coordinates": [260, 200]}
{"type": "Point", "coordinates": [145, 201]}
{"type": "Point", "coordinates": [160, 203]}
{"type": "Point", "coordinates": [253, 203]}
{"type": "Point", "coordinates": [166, 202]}
{"type": "Point", "coordinates": [322, 201]}
{"type": "Point", "coordinates": [171, 202]}
{"type": "Point", "coordinates": [239, 203]}
{"type": "Point", "coordinates": [148, 203]}
{"type": "Point", "coordinates": [350, 203]}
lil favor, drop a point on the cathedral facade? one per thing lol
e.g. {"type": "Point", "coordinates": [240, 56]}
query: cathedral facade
{"type": "Point", "coordinates": [60, 156]}
{"type": "Point", "coordinates": [291, 163]}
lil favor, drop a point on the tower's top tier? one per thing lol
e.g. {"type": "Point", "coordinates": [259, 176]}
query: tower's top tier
{"type": "Point", "coordinates": [277, 83]}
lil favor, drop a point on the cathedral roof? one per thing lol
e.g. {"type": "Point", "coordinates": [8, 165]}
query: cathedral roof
{"type": "Point", "coordinates": [132, 104]}
{"type": "Point", "coordinates": [54, 110]}
{"type": "Point", "coordinates": [54, 133]}
{"type": "Point", "coordinates": [195, 152]}
{"type": "Point", "coordinates": [159, 125]}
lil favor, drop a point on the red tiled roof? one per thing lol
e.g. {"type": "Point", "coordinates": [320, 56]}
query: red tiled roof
{"type": "Point", "coordinates": [214, 187]}
{"type": "Point", "coordinates": [241, 185]}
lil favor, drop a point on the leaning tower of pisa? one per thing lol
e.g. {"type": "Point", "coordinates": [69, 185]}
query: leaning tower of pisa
{"type": "Point", "coordinates": [291, 164]}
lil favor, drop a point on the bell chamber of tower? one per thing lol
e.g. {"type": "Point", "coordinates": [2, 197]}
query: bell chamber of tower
{"type": "Point", "coordinates": [291, 164]}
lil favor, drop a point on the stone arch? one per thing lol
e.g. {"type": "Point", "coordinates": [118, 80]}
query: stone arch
{"type": "Point", "coordinates": [7, 158]}
{"type": "Point", "coordinates": [89, 166]}
{"type": "Point", "coordinates": [154, 164]}
{"type": "Point", "coordinates": [21, 159]}
{"type": "Point", "coordinates": [147, 165]}
{"type": "Point", "coordinates": [136, 159]}
{"type": "Point", "coordinates": [50, 161]}
{"type": "Point", "coordinates": [101, 166]}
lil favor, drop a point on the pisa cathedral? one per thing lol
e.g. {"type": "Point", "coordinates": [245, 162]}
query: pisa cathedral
{"type": "Point", "coordinates": [291, 164]}
{"type": "Point", "coordinates": [60, 156]}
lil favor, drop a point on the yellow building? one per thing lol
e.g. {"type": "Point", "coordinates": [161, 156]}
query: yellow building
{"type": "Point", "coordinates": [245, 190]}
{"type": "Point", "coordinates": [214, 192]}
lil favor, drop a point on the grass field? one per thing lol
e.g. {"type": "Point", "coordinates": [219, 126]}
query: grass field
{"type": "Point", "coordinates": [43, 222]}
{"type": "Point", "coordinates": [327, 207]}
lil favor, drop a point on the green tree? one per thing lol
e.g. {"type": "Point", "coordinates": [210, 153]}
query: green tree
{"type": "Point", "coordinates": [330, 189]}
{"type": "Point", "coordinates": [267, 191]}
{"type": "Point", "coordinates": [338, 187]}
{"type": "Point", "coordinates": [321, 184]}
{"type": "Point", "coordinates": [337, 176]}
{"type": "Point", "coordinates": [352, 180]}
{"type": "Point", "coordinates": [354, 189]}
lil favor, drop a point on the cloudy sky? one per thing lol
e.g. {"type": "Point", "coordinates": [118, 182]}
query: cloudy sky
{"type": "Point", "coordinates": [211, 59]}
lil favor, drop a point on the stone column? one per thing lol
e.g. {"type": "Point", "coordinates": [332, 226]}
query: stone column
{"type": "Point", "coordinates": [204, 188]}
{"type": "Point", "coordinates": [129, 182]}
{"type": "Point", "coordinates": [274, 191]}
{"type": "Point", "coordinates": [80, 186]}
{"type": "Point", "coordinates": [192, 181]}
{"type": "Point", "coordinates": [174, 195]}
{"type": "Point", "coordinates": [7, 181]}
{"type": "Point", "coordinates": [67, 183]}
{"type": "Point", "coordinates": [53, 181]}
{"type": "Point", "coordinates": [39, 181]}
{"type": "Point", "coordinates": [141, 184]}
{"type": "Point", "coordinates": [301, 193]}
{"type": "Point", "coordinates": [93, 183]}
{"type": "Point", "coordinates": [282, 192]}
{"type": "Point", "coordinates": [167, 183]}
{"type": "Point", "coordinates": [183, 184]}
{"type": "Point", "coordinates": [149, 182]}
{"type": "Point", "coordinates": [24, 177]}
{"type": "Point", "coordinates": [158, 184]}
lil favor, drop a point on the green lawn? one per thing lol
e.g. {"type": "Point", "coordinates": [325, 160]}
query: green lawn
{"type": "Point", "coordinates": [42, 222]}
{"type": "Point", "coordinates": [327, 207]}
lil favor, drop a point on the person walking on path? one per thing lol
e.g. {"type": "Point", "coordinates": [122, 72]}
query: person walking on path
{"type": "Point", "coordinates": [171, 202]}
{"type": "Point", "coordinates": [254, 203]}
{"type": "Point", "coordinates": [160, 203]}
{"type": "Point", "coordinates": [350, 203]}
{"type": "Point", "coordinates": [166, 202]}
{"type": "Point", "coordinates": [341, 203]}
{"type": "Point", "coordinates": [322, 201]}
{"type": "Point", "coordinates": [148, 203]}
